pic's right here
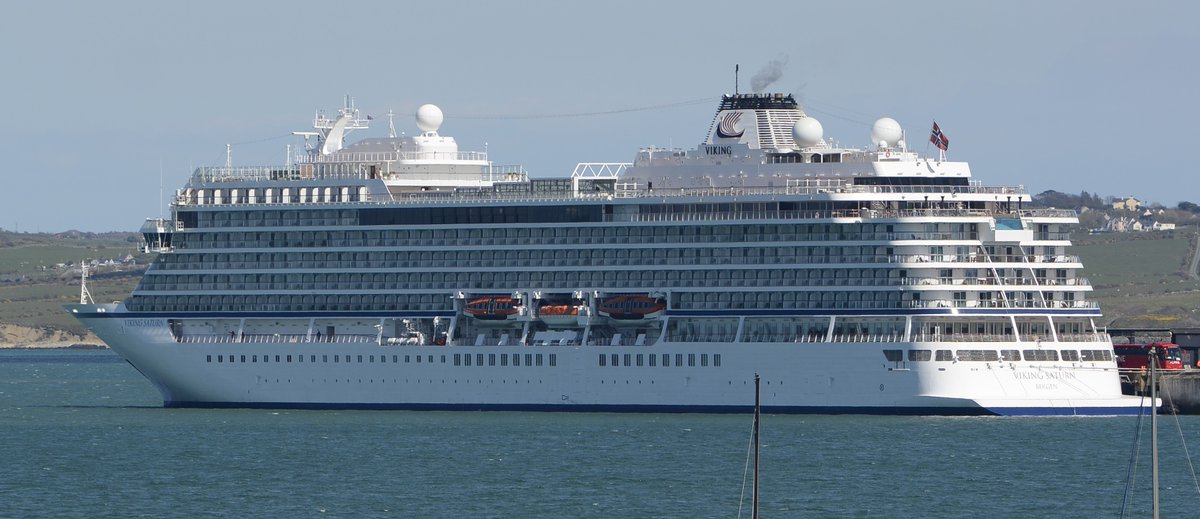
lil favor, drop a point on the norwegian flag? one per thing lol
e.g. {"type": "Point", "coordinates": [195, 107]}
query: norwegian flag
{"type": "Point", "coordinates": [938, 138]}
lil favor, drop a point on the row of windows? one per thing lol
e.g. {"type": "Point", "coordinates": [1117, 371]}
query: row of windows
{"type": "Point", "coordinates": [336, 359]}
{"type": "Point", "coordinates": [874, 279]}
{"type": "Point", "coordinates": [570, 235]}
{"type": "Point", "coordinates": [651, 359]}
{"type": "Point", "coordinates": [998, 355]}
{"type": "Point", "coordinates": [460, 359]}
{"type": "Point", "coordinates": [318, 217]}
{"type": "Point", "coordinates": [275, 195]}
{"type": "Point", "coordinates": [531, 359]}
{"type": "Point", "coordinates": [776, 300]}
{"type": "Point", "coordinates": [570, 279]}
{"type": "Point", "coordinates": [704, 255]}
{"type": "Point", "coordinates": [289, 303]}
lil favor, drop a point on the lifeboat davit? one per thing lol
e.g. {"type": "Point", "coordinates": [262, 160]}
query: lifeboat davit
{"type": "Point", "coordinates": [632, 308]}
{"type": "Point", "coordinates": [494, 308]}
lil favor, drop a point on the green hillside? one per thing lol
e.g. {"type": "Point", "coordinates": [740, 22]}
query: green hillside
{"type": "Point", "coordinates": [1141, 279]}
{"type": "Point", "coordinates": [40, 272]}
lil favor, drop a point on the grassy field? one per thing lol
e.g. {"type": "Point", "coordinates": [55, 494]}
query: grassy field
{"type": "Point", "coordinates": [1140, 279]}
{"type": "Point", "coordinates": [33, 290]}
{"type": "Point", "coordinates": [40, 306]}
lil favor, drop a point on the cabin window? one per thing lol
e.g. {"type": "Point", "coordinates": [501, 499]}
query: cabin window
{"type": "Point", "coordinates": [1044, 355]}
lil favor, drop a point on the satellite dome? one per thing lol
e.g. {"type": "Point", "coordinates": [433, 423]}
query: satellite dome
{"type": "Point", "coordinates": [429, 118]}
{"type": "Point", "coordinates": [807, 132]}
{"type": "Point", "coordinates": [886, 131]}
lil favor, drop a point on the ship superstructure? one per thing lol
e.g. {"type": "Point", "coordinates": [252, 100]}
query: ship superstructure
{"type": "Point", "coordinates": [399, 272]}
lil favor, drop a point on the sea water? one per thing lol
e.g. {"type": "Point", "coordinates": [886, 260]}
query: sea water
{"type": "Point", "coordinates": [84, 435]}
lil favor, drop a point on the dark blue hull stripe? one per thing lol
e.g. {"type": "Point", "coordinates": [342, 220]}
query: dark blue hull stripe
{"type": "Point", "coordinates": [711, 409]}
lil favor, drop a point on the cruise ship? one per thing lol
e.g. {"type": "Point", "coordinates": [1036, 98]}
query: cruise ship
{"type": "Point", "coordinates": [398, 272]}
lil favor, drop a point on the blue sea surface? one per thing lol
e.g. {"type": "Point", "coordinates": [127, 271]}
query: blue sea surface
{"type": "Point", "coordinates": [84, 435]}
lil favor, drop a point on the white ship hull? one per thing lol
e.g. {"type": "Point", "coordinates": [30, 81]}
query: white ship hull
{"type": "Point", "coordinates": [818, 377]}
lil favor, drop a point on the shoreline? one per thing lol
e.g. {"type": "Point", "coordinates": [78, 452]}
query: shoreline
{"type": "Point", "coordinates": [77, 346]}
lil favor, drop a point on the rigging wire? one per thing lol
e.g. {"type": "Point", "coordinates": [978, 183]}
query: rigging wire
{"type": "Point", "coordinates": [1131, 470]}
{"type": "Point", "coordinates": [746, 472]}
{"type": "Point", "coordinates": [809, 107]}
{"type": "Point", "coordinates": [220, 159]}
{"type": "Point", "coordinates": [707, 99]}
{"type": "Point", "coordinates": [805, 105]}
{"type": "Point", "coordinates": [1186, 455]}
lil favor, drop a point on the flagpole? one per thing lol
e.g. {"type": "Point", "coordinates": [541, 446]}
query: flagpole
{"type": "Point", "coordinates": [927, 141]}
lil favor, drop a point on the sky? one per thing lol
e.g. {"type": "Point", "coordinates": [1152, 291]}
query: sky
{"type": "Point", "coordinates": [104, 99]}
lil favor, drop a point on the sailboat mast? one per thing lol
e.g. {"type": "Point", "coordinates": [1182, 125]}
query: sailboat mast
{"type": "Point", "coordinates": [757, 405]}
{"type": "Point", "coordinates": [1154, 422]}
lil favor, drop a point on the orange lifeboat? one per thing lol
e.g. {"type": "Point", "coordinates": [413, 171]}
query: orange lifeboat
{"type": "Point", "coordinates": [559, 313]}
{"type": "Point", "coordinates": [493, 308]}
{"type": "Point", "coordinates": [632, 308]}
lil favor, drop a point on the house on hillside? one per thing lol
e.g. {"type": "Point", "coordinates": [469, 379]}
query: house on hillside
{"type": "Point", "coordinates": [1128, 203]}
{"type": "Point", "coordinates": [1123, 224]}
{"type": "Point", "coordinates": [1160, 226]}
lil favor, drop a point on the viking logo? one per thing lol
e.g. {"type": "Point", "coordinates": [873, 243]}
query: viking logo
{"type": "Point", "coordinates": [729, 126]}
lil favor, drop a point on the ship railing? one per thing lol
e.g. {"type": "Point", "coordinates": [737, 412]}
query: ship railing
{"type": "Point", "coordinates": [867, 337]}
{"type": "Point", "coordinates": [1008, 281]}
{"type": "Point", "coordinates": [986, 337]}
{"type": "Point", "coordinates": [1014, 258]}
{"type": "Point", "coordinates": [785, 337]}
{"type": "Point", "coordinates": [963, 337]}
{"type": "Point", "coordinates": [805, 215]}
{"type": "Point", "coordinates": [939, 190]}
{"type": "Point", "coordinates": [822, 337]}
{"type": "Point", "coordinates": [317, 171]}
{"type": "Point", "coordinates": [276, 338]}
{"type": "Point", "coordinates": [396, 156]}
{"type": "Point", "coordinates": [1031, 304]}
{"type": "Point", "coordinates": [1084, 337]}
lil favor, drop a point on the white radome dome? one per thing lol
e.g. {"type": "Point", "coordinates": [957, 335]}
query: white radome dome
{"type": "Point", "coordinates": [886, 131]}
{"type": "Point", "coordinates": [807, 132]}
{"type": "Point", "coordinates": [429, 118]}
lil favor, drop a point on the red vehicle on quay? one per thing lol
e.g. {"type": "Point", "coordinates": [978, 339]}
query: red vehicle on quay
{"type": "Point", "coordinates": [1137, 356]}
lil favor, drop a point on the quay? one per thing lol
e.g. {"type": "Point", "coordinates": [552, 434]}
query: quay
{"type": "Point", "coordinates": [1180, 390]}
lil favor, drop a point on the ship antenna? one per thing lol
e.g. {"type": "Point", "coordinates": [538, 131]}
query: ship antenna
{"type": "Point", "coordinates": [391, 126]}
{"type": "Point", "coordinates": [228, 158]}
{"type": "Point", "coordinates": [735, 78]}
{"type": "Point", "coordinates": [85, 297]}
